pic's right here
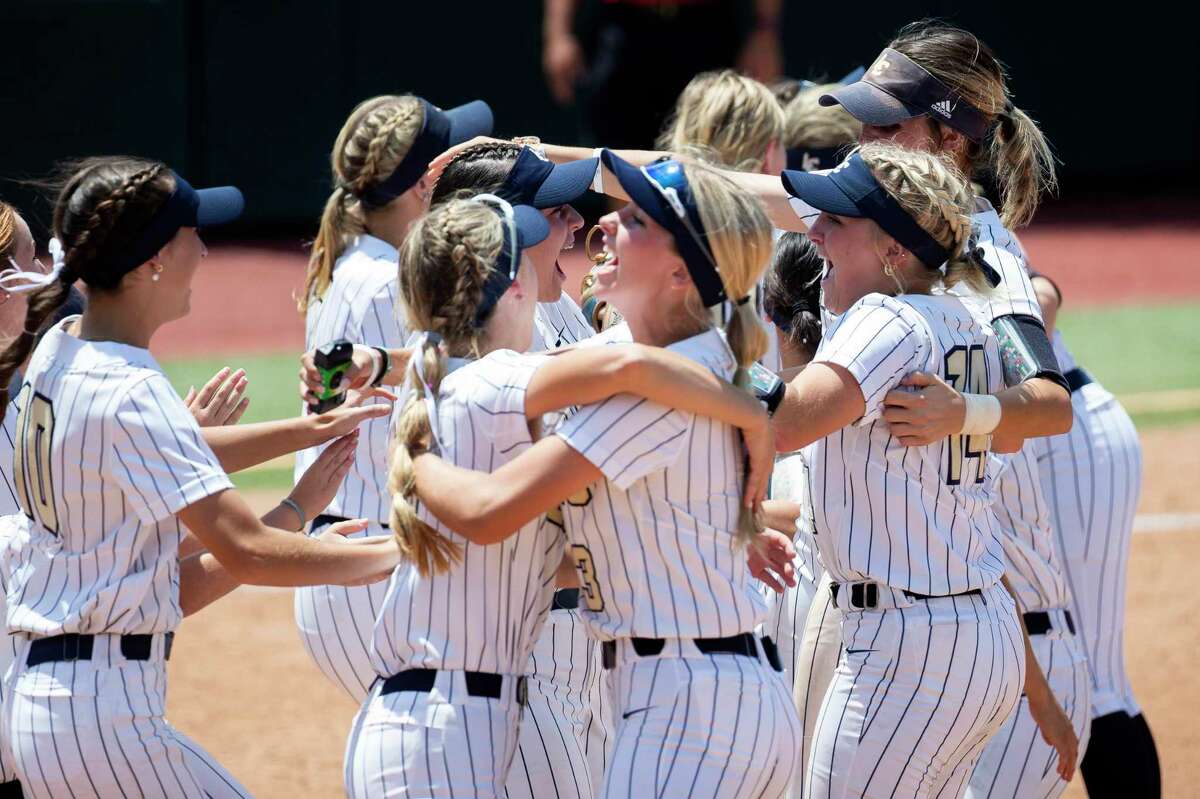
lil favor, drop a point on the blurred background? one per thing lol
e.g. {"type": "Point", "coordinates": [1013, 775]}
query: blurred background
{"type": "Point", "coordinates": [253, 92]}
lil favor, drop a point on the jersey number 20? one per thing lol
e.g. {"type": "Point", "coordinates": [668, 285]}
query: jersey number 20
{"type": "Point", "coordinates": [966, 371]}
{"type": "Point", "coordinates": [31, 459]}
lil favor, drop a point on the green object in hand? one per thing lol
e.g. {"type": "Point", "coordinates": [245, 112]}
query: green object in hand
{"type": "Point", "coordinates": [332, 361]}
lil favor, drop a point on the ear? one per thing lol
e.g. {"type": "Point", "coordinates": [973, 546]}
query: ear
{"type": "Point", "coordinates": [894, 252]}
{"type": "Point", "coordinates": [679, 278]}
{"type": "Point", "coordinates": [952, 141]}
{"type": "Point", "coordinates": [775, 159]}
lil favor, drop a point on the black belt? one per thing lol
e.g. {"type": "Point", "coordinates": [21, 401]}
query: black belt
{"type": "Point", "coordinates": [74, 646]}
{"type": "Point", "coordinates": [479, 683]}
{"type": "Point", "coordinates": [865, 596]}
{"type": "Point", "coordinates": [742, 644]}
{"type": "Point", "coordinates": [565, 599]}
{"type": "Point", "coordinates": [324, 519]}
{"type": "Point", "coordinates": [11, 790]}
{"type": "Point", "coordinates": [1077, 378]}
{"type": "Point", "coordinates": [1037, 622]}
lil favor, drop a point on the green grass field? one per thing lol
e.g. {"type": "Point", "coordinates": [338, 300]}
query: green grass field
{"type": "Point", "coordinates": [1131, 350]}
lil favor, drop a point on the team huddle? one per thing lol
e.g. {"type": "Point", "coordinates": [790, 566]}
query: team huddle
{"type": "Point", "coordinates": [809, 498]}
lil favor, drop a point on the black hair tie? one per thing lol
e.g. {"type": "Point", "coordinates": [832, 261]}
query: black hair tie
{"type": "Point", "coordinates": [744, 300]}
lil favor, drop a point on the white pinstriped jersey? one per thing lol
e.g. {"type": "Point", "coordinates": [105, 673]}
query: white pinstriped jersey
{"type": "Point", "coordinates": [9, 644]}
{"type": "Point", "coordinates": [1002, 251]}
{"type": "Point", "coordinates": [654, 542]}
{"type": "Point", "coordinates": [790, 481]}
{"type": "Point", "coordinates": [1023, 523]}
{"type": "Point", "coordinates": [486, 612]}
{"type": "Point", "coordinates": [107, 454]}
{"type": "Point", "coordinates": [559, 323]}
{"type": "Point", "coordinates": [359, 305]}
{"type": "Point", "coordinates": [918, 518]}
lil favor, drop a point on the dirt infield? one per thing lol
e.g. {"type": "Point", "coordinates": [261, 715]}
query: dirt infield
{"type": "Point", "coordinates": [243, 687]}
{"type": "Point", "coordinates": [243, 301]}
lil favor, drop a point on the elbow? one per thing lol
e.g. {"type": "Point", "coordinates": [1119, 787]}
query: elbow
{"type": "Point", "coordinates": [1062, 416]}
{"type": "Point", "coordinates": [788, 440]}
{"type": "Point", "coordinates": [632, 366]}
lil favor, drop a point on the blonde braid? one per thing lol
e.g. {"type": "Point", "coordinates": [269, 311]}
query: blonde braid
{"type": "Point", "coordinates": [382, 156]}
{"type": "Point", "coordinates": [444, 263]}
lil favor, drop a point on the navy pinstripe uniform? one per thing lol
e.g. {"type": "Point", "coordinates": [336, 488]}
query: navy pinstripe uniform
{"type": "Point", "coordinates": [702, 713]}
{"type": "Point", "coordinates": [452, 649]}
{"type": "Point", "coordinates": [933, 661]}
{"type": "Point", "coordinates": [106, 455]}
{"type": "Point", "coordinates": [567, 723]}
{"type": "Point", "coordinates": [335, 622]}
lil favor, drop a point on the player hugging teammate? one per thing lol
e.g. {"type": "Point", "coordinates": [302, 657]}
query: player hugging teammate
{"type": "Point", "coordinates": [545, 570]}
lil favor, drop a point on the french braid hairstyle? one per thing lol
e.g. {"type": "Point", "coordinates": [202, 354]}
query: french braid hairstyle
{"type": "Point", "coordinates": [1016, 154]}
{"type": "Point", "coordinates": [792, 291]}
{"type": "Point", "coordinates": [103, 206]}
{"type": "Point", "coordinates": [939, 199]}
{"type": "Point", "coordinates": [476, 169]}
{"type": "Point", "coordinates": [725, 119]}
{"type": "Point", "coordinates": [372, 143]}
{"type": "Point", "coordinates": [444, 262]}
{"type": "Point", "coordinates": [739, 235]}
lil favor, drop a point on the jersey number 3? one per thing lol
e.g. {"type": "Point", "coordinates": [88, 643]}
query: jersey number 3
{"type": "Point", "coordinates": [31, 460]}
{"type": "Point", "coordinates": [966, 371]}
{"type": "Point", "coordinates": [587, 577]}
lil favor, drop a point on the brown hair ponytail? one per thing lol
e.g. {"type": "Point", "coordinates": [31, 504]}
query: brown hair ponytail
{"type": "Point", "coordinates": [369, 147]}
{"type": "Point", "coordinates": [104, 204]}
{"type": "Point", "coordinates": [1015, 153]}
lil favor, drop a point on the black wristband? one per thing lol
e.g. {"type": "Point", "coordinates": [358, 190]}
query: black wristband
{"type": "Point", "coordinates": [386, 366]}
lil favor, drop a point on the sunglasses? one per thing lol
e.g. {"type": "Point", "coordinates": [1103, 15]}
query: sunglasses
{"type": "Point", "coordinates": [670, 181]}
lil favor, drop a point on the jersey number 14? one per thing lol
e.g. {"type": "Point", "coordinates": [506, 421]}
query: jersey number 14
{"type": "Point", "coordinates": [966, 371]}
{"type": "Point", "coordinates": [31, 458]}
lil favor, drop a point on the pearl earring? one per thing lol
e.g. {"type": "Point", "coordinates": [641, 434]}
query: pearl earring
{"type": "Point", "coordinates": [154, 277]}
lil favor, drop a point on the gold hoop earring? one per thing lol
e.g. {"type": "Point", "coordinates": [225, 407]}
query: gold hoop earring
{"type": "Point", "coordinates": [599, 257]}
{"type": "Point", "coordinates": [889, 270]}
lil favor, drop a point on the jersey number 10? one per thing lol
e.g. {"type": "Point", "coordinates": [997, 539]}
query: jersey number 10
{"type": "Point", "coordinates": [966, 371]}
{"type": "Point", "coordinates": [31, 458]}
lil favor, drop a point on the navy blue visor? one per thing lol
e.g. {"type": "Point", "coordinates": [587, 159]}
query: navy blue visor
{"type": "Point", "coordinates": [524, 227]}
{"type": "Point", "coordinates": [897, 88]}
{"type": "Point", "coordinates": [662, 191]}
{"type": "Point", "coordinates": [851, 190]}
{"type": "Point", "coordinates": [538, 182]}
{"type": "Point", "coordinates": [810, 159]}
{"type": "Point", "coordinates": [440, 131]}
{"type": "Point", "coordinates": [186, 207]}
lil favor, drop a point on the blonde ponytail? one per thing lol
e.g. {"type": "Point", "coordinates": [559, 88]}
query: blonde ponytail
{"type": "Point", "coordinates": [725, 119]}
{"type": "Point", "coordinates": [1024, 166]}
{"type": "Point", "coordinates": [739, 235]}
{"type": "Point", "coordinates": [369, 147]}
{"type": "Point", "coordinates": [445, 261]}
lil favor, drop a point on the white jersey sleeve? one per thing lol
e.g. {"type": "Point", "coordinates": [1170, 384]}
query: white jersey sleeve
{"type": "Point", "coordinates": [559, 323]}
{"type": "Point", "coordinates": [1003, 253]}
{"type": "Point", "coordinates": [877, 346]}
{"type": "Point", "coordinates": [161, 462]}
{"type": "Point", "coordinates": [626, 437]}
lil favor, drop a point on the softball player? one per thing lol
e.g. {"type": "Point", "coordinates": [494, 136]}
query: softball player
{"type": "Point", "coordinates": [652, 505]}
{"type": "Point", "coordinates": [906, 535]}
{"type": "Point", "coordinates": [379, 162]}
{"type": "Point", "coordinates": [461, 615]}
{"type": "Point", "coordinates": [567, 718]}
{"type": "Point", "coordinates": [1091, 478]}
{"type": "Point", "coordinates": [108, 468]}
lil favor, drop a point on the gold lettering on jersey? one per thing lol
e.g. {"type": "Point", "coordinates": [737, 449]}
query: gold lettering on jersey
{"type": "Point", "coordinates": [35, 432]}
{"type": "Point", "coordinates": [966, 372]}
{"type": "Point", "coordinates": [588, 584]}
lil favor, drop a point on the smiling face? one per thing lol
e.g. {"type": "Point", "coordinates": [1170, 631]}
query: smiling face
{"type": "Point", "coordinates": [180, 259]}
{"type": "Point", "coordinates": [564, 221]}
{"type": "Point", "coordinates": [645, 267]}
{"type": "Point", "coordinates": [853, 264]}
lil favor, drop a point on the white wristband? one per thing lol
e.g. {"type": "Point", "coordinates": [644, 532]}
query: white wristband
{"type": "Point", "coordinates": [598, 180]}
{"type": "Point", "coordinates": [982, 414]}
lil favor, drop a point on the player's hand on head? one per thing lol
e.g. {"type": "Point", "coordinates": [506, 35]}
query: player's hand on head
{"type": "Point", "coordinates": [357, 375]}
{"type": "Point", "coordinates": [438, 165]}
{"type": "Point", "coordinates": [923, 410]}
{"type": "Point", "coordinates": [220, 401]}
{"type": "Point", "coordinates": [319, 484]}
{"type": "Point", "coordinates": [770, 558]}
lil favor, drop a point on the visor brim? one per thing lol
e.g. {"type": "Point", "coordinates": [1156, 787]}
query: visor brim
{"type": "Point", "coordinates": [567, 183]}
{"type": "Point", "coordinates": [819, 191]}
{"type": "Point", "coordinates": [218, 206]}
{"type": "Point", "coordinates": [469, 120]}
{"type": "Point", "coordinates": [532, 227]}
{"type": "Point", "coordinates": [871, 105]}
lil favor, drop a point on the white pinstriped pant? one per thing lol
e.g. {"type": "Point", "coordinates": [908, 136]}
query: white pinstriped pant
{"type": "Point", "coordinates": [1018, 762]}
{"type": "Point", "coordinates": [336, 624]}
{"type": "Point", "coordinates": [917, 694]}
{"type": "Point", "coordinates": [12, 652]}
{"type": "Point", "coordinates": [566, 729]}
{"type": "Point", "coordinates": [816, 660]}
{"type": "Point", "coordinates": [701, 726]}
{"type": "Point", "coordinates": [440, 743]}
{"type": "Point", "coordinates": [96, 728]}
{"type": "Point", "coordinates": [1091, 478]}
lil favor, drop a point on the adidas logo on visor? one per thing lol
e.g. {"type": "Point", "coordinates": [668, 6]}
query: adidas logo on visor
{"type": "Point", "coordinates": [944, 107]}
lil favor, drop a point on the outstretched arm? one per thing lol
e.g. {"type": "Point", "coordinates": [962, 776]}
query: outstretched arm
{"type": "Point", "coordinates": [820, 400]}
